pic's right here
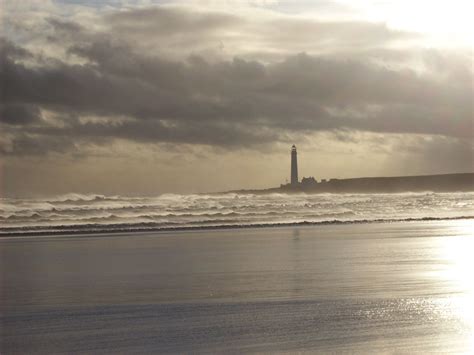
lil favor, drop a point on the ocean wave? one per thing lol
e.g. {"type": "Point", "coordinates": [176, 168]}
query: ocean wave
{"type": "Point", "coordinates": [79, 210]}
{"type": "Point", "coordinates": [200, 225]}
{"type": "Point", "coordinates": [75, 197]}
{"type": "Point", "coordinates": [55, 218]}
{"type": "Point", "coordinates": [29, 216]}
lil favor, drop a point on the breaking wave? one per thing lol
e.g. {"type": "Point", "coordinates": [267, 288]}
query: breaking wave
{"type": "Point", "coordinates": [79, 213]}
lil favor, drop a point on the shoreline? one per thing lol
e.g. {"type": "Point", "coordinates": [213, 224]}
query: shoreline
{"type": "Point", "coordinates": [341, 287]}
{"type": "Point", "coordinates": [89, 229]}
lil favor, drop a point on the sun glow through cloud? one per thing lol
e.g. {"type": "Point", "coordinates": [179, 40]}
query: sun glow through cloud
{"type": "Point", "coordinates": [447, 23]}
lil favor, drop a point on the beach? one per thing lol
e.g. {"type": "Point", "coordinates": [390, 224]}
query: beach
{"type": "Point", "coordinates": [363, 287]}
{"type": "Point", "coordinates": [236, 177]}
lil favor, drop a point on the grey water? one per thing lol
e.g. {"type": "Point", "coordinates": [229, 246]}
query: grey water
{"type": "Point", "coordinates": [99, 213]}
{"type": "Point", "coordinates": [364, 288]}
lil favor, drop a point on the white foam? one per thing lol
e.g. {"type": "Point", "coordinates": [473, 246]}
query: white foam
{"type": "Point", "coordinates": [228, 209]}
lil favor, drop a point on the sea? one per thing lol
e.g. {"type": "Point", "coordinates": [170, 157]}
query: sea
{"type": "Point", "coordinates": [99, 213]}
{"type": "Point", "coordinates": [238, 273]}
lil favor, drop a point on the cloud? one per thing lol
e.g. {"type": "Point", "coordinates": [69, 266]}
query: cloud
{"type": "Point", "coordinates": [166, 21]}
{"type": "Point", "coordinates": [252, 34]}
{"type": "Point", "coordinates": [147, 74]}
{"type": "Point", "coordinates": [19, 114]}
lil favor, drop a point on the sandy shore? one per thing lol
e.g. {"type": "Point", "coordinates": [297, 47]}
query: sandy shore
{"type": "Point", "coordinates": [402, 286]}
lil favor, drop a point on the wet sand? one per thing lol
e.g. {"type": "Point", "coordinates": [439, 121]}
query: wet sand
{"type": "Point", "coordinates": [380, 287]}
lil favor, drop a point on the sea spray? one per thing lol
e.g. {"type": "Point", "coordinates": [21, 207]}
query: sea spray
{"type": "Point", "coordinates": [99, 213]}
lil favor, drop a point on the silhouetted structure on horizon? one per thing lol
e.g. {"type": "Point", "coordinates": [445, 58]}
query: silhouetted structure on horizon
{"type": "Point", "coordinates": [294, 166]}
{"type": "Point", "coordinates": [440, 183]}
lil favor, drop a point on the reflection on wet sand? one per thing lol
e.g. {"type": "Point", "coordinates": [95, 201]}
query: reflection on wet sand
{"type": "Point", "coordinates": [395, 287]}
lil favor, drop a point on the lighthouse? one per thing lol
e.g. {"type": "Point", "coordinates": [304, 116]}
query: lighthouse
{"type": "Point", "coordinates": [294, 166]}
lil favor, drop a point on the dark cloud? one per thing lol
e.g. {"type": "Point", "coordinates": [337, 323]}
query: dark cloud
{"type": "Point", "coordinates": [148, 96]}
{"type": "Point", "coordinates": [65, 27]}
{"type": "Point", "coordinates": [10, 50]}
{"type": "Point", "coordinates": [19, 114]}
{"type": "Point", "coordinates": [27, 144]}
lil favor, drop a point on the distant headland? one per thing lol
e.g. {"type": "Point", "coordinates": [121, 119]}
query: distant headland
{"type": "Point", "coordinates": [437, 183]}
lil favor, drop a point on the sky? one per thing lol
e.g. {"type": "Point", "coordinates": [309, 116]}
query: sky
{"type": "Point", "coordinates": [148, 97]}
